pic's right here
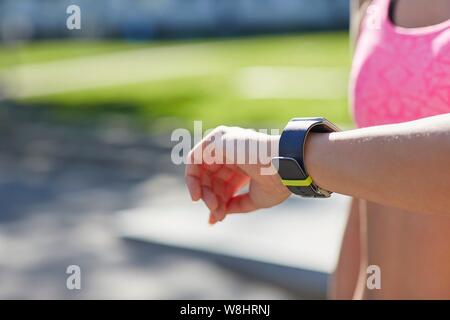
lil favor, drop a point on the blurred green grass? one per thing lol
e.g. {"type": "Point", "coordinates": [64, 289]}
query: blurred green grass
{"type": "Point", "coordinates": [212, 97]}
{"type": "Point", "coordinates": [45, 51]}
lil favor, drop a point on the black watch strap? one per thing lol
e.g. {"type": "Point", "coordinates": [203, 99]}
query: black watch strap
{"type": "Point", "coordinates": [290, 162]}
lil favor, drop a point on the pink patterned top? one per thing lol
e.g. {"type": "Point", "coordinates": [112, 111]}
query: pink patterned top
{"type": "Point", "coordinates": [399, 74]}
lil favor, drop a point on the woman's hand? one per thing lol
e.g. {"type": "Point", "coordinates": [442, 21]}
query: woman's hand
{"type": "Point", "coordinates": [224, 162]}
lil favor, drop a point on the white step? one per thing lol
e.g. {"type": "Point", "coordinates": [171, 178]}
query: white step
{"type": "Point", "coordinates": [300, 233]}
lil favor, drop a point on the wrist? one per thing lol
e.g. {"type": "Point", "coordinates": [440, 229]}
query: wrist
{"type": "Point", "coordinates": [316, 151]}
{"type": "Point", "coordinates": [291, 162]}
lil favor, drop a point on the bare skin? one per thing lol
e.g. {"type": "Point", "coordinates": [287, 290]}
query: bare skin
{"type": "Point", "coordinates": [407, 218]}
{"type": "Point", "coordinates": [403, 229]}
{"type": "Point", "coordinates": [403, 226]}
{"type": "Point", "coordinates": [429, 281]}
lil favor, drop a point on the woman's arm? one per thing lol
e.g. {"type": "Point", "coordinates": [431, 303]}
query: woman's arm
{"type": "Point", "coordinates": [401, 165]}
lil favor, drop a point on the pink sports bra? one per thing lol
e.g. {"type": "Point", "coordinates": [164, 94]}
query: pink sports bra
{"type": "Point", "coordinates": [399, 74]}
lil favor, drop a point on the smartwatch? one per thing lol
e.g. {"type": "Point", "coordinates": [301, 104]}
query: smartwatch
{"type": "Point", "coordinates": [290, 162]}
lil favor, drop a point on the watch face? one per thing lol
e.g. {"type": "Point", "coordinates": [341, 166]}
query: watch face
{"type": "Point", "coordinates": [321, 124]}
{"type": "Point", "coordinates": [310, 119]}
{"type": "Point", "coordinates": [288, 168]}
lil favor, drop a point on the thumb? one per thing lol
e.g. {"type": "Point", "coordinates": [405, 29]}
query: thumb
{"type": "Point", "coordinates": [241, 203]}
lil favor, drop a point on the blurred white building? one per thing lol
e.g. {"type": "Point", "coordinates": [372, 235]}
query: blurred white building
{"type": "Point", "coordinates": [169, 18]}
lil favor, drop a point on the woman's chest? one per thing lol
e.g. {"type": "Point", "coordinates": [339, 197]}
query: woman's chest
{"type": "Point", "coordinates": [401, 78]}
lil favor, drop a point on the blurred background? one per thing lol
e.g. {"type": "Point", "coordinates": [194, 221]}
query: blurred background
{"type": "Point", "coordinates": [86, 118]}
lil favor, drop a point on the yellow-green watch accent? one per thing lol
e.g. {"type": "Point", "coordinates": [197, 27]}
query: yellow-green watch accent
{"type": "Point", "coordinates": [297, 183]}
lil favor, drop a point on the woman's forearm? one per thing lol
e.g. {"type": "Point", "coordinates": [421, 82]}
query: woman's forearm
{"type": "Point", "coordinates": [403, 165]}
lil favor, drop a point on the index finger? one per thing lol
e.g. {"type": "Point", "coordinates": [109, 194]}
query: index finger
{"type": "Point", "coordinates": [194, 166]}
